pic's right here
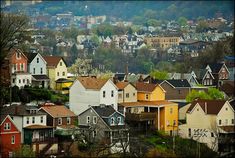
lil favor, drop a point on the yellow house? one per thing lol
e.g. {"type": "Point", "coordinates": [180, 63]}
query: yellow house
{"type": "Point", "coordinates": [158, 115]}
{"type": "Point", "coordinates": [63, 85]}
{"type": "Point", "coordinates": [149, 92]}
{"type": "Point", "coordinates": [56, 69]}
{"type": "Point", "coordinates": [162, 42]}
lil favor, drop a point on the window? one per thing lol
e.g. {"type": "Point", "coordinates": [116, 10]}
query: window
{"type": "Point", "coordinates": [210, 81]}
{"type": "Point", "coordinates": [37, 60]}
{"type": "Point", "coordinates": [58, 74]}
{"type": "Point", "coordinates": [226, 109]}
{"type": "Point", "coordinates": [13, 80]}
{"type": "Point", "coordinates": [21, 67]}
{"type": "Point", "coordinates": [88, 119]}
{"type": "Point", "coordinates": [17, 55]}
{"type": "Point", "coordinates": [7, 126]}
{"type": "Point", "coordinates": [232, 121]}
{"type": "Point", "coordinates": [189, 132]}
{"type": "Point", "coordinates": [23, 80]}
{"type": "Point", "coordinates": [171, 110]}
{"type": "Point", "coordinates": [33, 119]}
{"type": "Point", "coordinates": [167, 122]}
{"type": "Point", "coordinates": [119, 120]}
{"type": "Point", "coordinates": [94, 133]}
{"type": "Point", "coordinates": [14, 67]}
{"type": "Point", "coordinates": [103, 94]}
{"type": "Point", "coordinates": [127, 95]}
{"type": "Point", "coordinates": [111, 93]}
{"type": "Point", "coordinates": [119, 96]}
{"type": "Point", "coordinates": [63, 73]}
{"type": "Point", "coordinates": [112, 121]}
{"type": "Point", "coordinates": [27, 120]}
{"type": "Point", "coordinates": [94, 119]}
{"type": "Point", "coordinates": [226, 121]}
{"type": "Point", "coordinates": [174, 122]}
{"type": "Point", "coordinates": [59, 121]}
{"type": "Point", "coordinates": [179, 91]}
{"type": "Point", "coordinates": [146, 96]}
{"type": "Point", "coordinates": [212, 134]}
{"type": "Point", "coordinates": [41, 70]}
{"type": "Point", "coordinates": [33, 70]}
{"type": "Point", "coordinates": [133, 94]}
{"type": "Point", "coordinates": [12, 139]}
{"type": "Point", "coordinates": [41, 119]}
{"type": "Point", "coordinates": [19, 80]}
{"type": "Point", "coordinates": [68, 120]}
{"type": "Point", "coordinates": [220, 122]}
{"type": "Point", "coordinates": [61, 63]}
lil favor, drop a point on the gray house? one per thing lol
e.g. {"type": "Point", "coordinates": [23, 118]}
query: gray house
{"type": "Point", "coordinates": [102, 124]}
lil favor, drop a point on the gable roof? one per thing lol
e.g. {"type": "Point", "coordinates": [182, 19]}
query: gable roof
{"type": "Point", "coordinates": [145, 87]}
{"type": "Point", "coordinates": [53, 60]}
{"type": "Point", "coordinates": [20, 110]}
{"type": "Point", "coordinates": [122, 85]}
{"type": "Point", "coordinates": [58, 111]}
{"type": "Point", "coordinates": [31, 56]}
{"type": "Point", "coordinates": [209, 106]}
{"type": "Point", "coordinates": [216, 67]}
{"type": "Point", "coordinates": [92, 83]}
{"type": "Point", "coordinates": [104, 110]}
{"type": "Point", "coordinates": [13, 51]}
{"type": "Point", "coordinates": [178, 83]}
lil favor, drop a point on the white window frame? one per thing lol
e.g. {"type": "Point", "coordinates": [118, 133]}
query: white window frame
{"type": "Point", "coordinates": [104, 94]}
{"type": "Point", "coordinates": [41, 119]}
{"type": "Point", "coordinates": [60, 121]}
{"type": "Point", "coordinates": [112, 121]}
{"type": "Point", "coordinates": [94, 119]}
{"type": "Point", "coordinates": [27, 120]}
{"type": "Point", "coordinates": [37, 60]}
{"type": "Point", "coordinates": [7, 126]}
{"type": "Point", "coordinates": [13, 139]}
{"type": "Point", "coordinates": [127, 95]}
{"type": "Point", "coordinates": [33, 120]}
{"type": "Point", "coordinates": [88, 119]}
{"type": "Point", "coordinates": [146, 96]}
{"type": "Point", "coordinates": [112, 93]}
{"type": "Point", "coordinates": [68, 120]}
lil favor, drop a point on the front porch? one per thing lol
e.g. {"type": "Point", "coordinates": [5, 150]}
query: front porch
{"type": "Point", "coordinates": [41, 81]}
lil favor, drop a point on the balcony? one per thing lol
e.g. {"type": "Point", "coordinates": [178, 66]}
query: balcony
{"type": "Point", "coordinates": [144, 116]}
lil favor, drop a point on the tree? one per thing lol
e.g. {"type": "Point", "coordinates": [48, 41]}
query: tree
{"type": "Point", "coordinates": [12, 28]}
{"type": "Point", "coordinates": [212, 94]}
{"type": "Point", "coordinates": [81, 67]}
{"type": "Point", "coordinates": [160, 75]}
{"type": "Point", "coordinates": [25, 151]}
{"type": "Point", "coordinates": [182, 21]}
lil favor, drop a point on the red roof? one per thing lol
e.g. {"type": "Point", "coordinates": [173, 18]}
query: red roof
{"type": "Point", "coordinates": [58, 111]}
{"type": "Point", "coordinates": [52, 61]}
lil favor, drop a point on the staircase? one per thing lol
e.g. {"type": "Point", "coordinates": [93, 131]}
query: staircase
{"type": "Point", "coordinates": [48, 146]}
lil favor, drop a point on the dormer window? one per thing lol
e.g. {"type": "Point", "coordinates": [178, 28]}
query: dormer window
{"type": "Point", "coordinates": [37, 60]}
{"type": "Point", "coordinates": [103, 94]}
{"type": "Point", "coordinates": [61, 63]}
{"type": "Point", "coordinates": [119, 120]}
{"type": "Point", "coordinates": [112, 93]}
{"type": "Point", "coordinates": [68, 120]}
{"type": "Point", "coordinates": [59, 121]}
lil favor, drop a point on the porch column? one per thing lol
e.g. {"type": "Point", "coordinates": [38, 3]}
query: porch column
{"type": "Point", "coordinates": [158, 118]}
{"type": "Point", "coordinates": [148, 109]}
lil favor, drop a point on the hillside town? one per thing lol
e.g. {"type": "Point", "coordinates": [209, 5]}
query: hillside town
{"type": "Point", "coordinates": [98, 86]}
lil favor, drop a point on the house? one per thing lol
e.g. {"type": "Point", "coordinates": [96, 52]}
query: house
{"type": "Point", "coordinates": [205, 77]}
{"type": "Point", "coordinates": [92, 91]}
{"type": "Point", "coordinates": [210, 122]}
{"type": "Point", "coordinates": [162, 42]}
{"type": "Point", "coordinates": [63, 85]}
{"type": "Point", "coordinates": [10, 136]}
{"type": "Point", "coordinates": [56, 69]}
{"type": "Point", "coordinates": [176, 89]}
{"type": "Point", "coordinates": [59, 116]}
{"type": "Point", "coordinates": [18, 68]}
{"type": "Point", "coordinates": [104, 124]}
{"type": "Point", "coordinates": [219, 71]}
{"type": "Point", "coordinates": [126, 92]}
{"type": "Point", "coordinates": [228, 88]}
{"type": "Point", "coordinates": [190, 77]}
{"type": "Point", "coordinates": [30, 123]}
{"type": "Point", "coordinates": [149, 92]}
{"type": "Point", "coordinates": [37, 66]}
{"type": "Point", "coordinates": [143, 116]}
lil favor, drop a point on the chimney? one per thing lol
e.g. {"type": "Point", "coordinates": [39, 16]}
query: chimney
{"type": "Point", "coordinates": [206, 107]}
{"type": "Point", "coordinates": [141, 78]}
{"type": "Point", "coordinates": [16, 110]}
{"type": "Point", "coordinates": [126, 72]}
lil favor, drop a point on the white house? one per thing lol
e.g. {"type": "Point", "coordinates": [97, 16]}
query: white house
{"type": "Point", "coordinates": [37, 66]}
{"type": "Point", "coordinates": [87, 91]}
{"type": "Point", "coordinates": [29, 118]}
{"type": "Point", "coordinates": [210, 122]}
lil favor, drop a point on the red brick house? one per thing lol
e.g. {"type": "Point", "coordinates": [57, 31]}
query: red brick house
{"type": "Point", "coordinates": [10, 136]}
